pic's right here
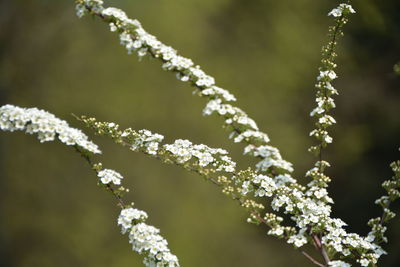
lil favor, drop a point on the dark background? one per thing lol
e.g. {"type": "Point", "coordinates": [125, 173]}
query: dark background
{"type": "Point", "coordinates": [265, 52]}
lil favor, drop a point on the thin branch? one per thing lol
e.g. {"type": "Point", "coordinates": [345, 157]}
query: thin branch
{"type": "Point", "coordinates": [312, 259]}
{"type": "Point", "coordinates": [321, 248]}
{"type": "Point", "coordinates": [121, 202]}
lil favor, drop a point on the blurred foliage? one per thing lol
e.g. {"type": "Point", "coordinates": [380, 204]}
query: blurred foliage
{"type": "Point", "coordinates": [396, 68]}
{"type": "Point", "coordinates": [266, 52]}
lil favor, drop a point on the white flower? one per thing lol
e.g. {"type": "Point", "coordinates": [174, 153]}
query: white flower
{"type": "Point", "coordinates": [115, 12]}
{"type": "Point", "coordinates": [339, 264]}
{"type": "Point", "coordinates": [145, 238]}
{"type": "Point", "coordinates": [321, 193]}
{"type": "Point", "coordinates": [327, 120]}
{"type": "Point", "coordinates": [338, 12]}
{"type": "Point", "coordinates": [317, 110]}
{"type": "Point", "coordinates": [45, 125]}
{"type": "Point", "coordinates": [364, 262]}
{"type": "Point", "coordinates": [128, 215]}
{"type": "Point", "coordinates": [217, 91]}
{"type": "Point", "coordinates": [329, 74]}
{"type": "Point", "coordinates": [298, 240]}
{"type": "Point", "coordinates": [328, 139]}
{"type": "Point", "coordinates": [277, 231]}
{"type": "Point", "coordinates": [110, 176]}
{"type": "Point", "coordinates": [251, 134]}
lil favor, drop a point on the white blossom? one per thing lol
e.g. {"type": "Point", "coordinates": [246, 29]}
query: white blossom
{"type": "Point", "coordinates": [45, 125]}
{"type": "Point", "coordinates": [266, 186]}
{"type": "Point", "coordinates": [339, 264]}
{"type": "Point", "coordinates": [364, 262]}
{"type": "Point", "coordinates": [298, 240]}
{"type": "Point", "coordinates": [110, 176]}
{"type": "Point", "coordinates": [329, 74]}
{"type": "Point", "coordinates": [148, 141]}
{"type": "Point", "coordinates": [184, 151]}
{"type": "Point", "coordinates": [251, 134]}
{"type": "Point", "coordinates": [146, 239]}
{"type": "Point", "coordinates": [128, 215]}
{"type": "Point", "coordinates": [338, 12]}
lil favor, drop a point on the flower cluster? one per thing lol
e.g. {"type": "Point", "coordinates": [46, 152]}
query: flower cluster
{"type": "Point", "coordinates": [146, 140]}
{"type": "Point", "coordinates": [83, 5]}
{"type": "Point", "coordinates": [298, 240]}
{"type": "Point", "coordinates": [392, 187]}
{"type": "Point", "coordinates": [317, 204]}
{"type": "Point", "coordinates": [109, 176]}
{"type": "Point", "coordinates": [146, 239]}
{"type": "Point", "coordinates": [341, 10]}
{"type": "Point", "coordinates": [129, 216]}
{"type": "Point", "coordinates": [47, 126]}
{"type": "Point", "coordinates": [262, 185]}
{"type": "Point", "coordinates": [180, 152]}
{"type": "Point", "coordinates": [184, 150]}
{"type": "Point", "coordinates": [271, 158]}
{"type": "Point", "coordinates": [324, 87]}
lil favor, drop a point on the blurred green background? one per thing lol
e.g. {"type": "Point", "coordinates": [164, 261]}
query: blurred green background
{"type": "Point", "coordinates": [266, 52]}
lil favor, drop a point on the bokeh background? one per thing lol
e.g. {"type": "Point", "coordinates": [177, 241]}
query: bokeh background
{"type": "Point", "coordinates": [266, 52]}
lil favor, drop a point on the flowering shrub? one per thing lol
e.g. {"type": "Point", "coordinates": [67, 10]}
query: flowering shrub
{"type": "Point", "coordinates": [308, 206]}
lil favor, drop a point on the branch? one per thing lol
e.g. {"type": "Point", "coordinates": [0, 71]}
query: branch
{"type": "Point", "coordinates": [392, 187]}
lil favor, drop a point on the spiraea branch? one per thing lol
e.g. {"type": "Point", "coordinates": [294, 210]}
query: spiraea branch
{"type": "Point", "coordinates": [301, 214]}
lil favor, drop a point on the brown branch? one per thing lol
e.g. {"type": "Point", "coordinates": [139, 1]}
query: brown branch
{"type": "Point", "coordinates": [321, 248]}
{"type": "Point", "coordinates": [312, 259]}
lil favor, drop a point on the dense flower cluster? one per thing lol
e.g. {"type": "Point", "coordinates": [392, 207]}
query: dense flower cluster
{"type": "Point", "coordinates": [109, 176]}
{"type": "Point", "coordinates": [128, 216]}
{"type": "Point", "coordinates": [272, 159]}
{"type": "Point", "coordinates": [184, 150]}
{"type": "Point", "coordinates": [261, 184]}
{"type": "Point", "coordinates": [146, 239]}
{"type": "Point", "coordinates": [146, 140]}
{"type": "Point", "coordinates": [47, 126]}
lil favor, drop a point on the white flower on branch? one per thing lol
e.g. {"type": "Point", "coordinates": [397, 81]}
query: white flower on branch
{"type": "Point", "coordinates": [338, 12]}
{"type": "Point", "coordinates": [147, 140]}
{"type": "Point", "coordinates": [45, 125]}
{"type": "Point", "coordinates": [110, 176]}
{"type": "Point", "coordinates": [146, 239]}
{"type": "Point", "coordinates": [128, 215]}
{"type": "Point", "coordinates": [329, 74]}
